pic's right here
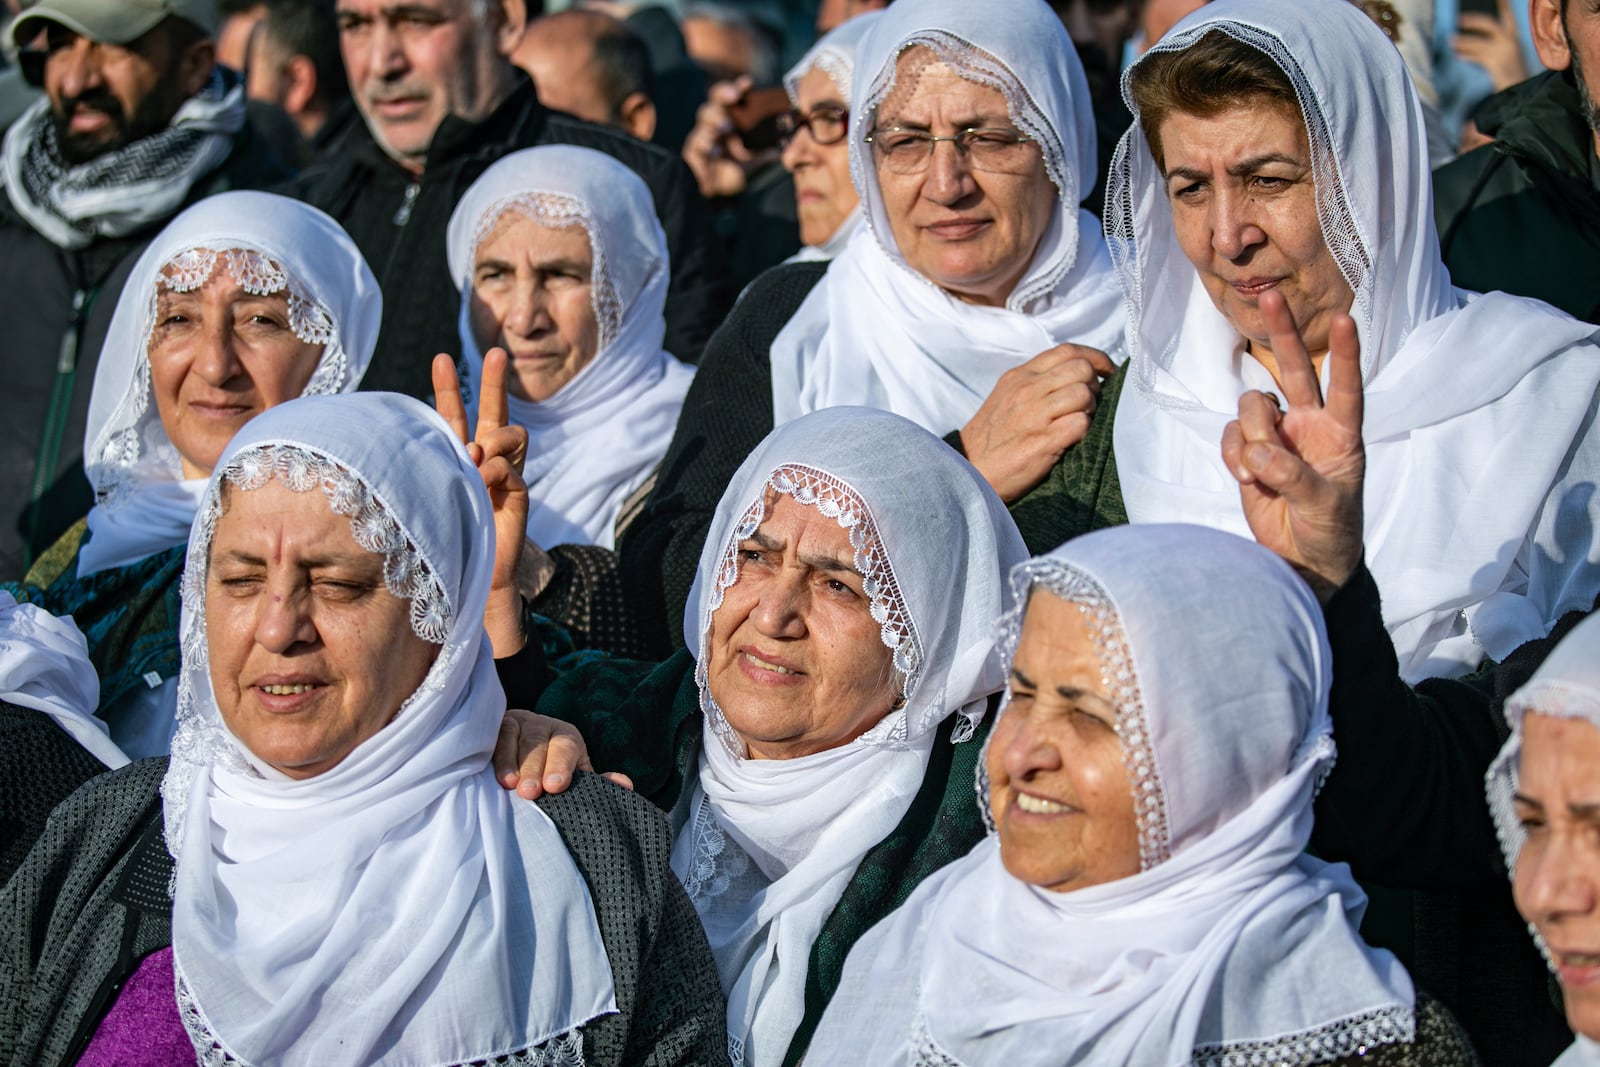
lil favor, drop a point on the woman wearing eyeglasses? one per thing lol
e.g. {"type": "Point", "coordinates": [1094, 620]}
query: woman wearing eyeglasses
{"type": "Point", "coordinates": [977, 300]}
{"type": "Point", "coordinates": [815, 151]}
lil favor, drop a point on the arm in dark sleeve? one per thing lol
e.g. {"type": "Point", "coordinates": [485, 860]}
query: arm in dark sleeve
{"type": "Point", "coordinates": [1405, 803]}
{"type": "Point", "coordinates": [726, 413]}
{"type": "Point", "coordinates": [698, 295]}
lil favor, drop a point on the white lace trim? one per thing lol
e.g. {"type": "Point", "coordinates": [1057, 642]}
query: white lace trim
{"type": "Point", "coordinates": [256, 272]}
{"type": "Point", "coordinates": [556, 210]}
{"type": "Point", "coordinates": [1121, 684]}
{"type": "Point", "coordinates": [837, 500]}
{"type": "Point", "coordinates": [713, 865]}
{"type": "Point", "coordinates": [976, 65]}
{"type": "Point", "coordinates": [406, 572]}
{"type": "Point", "coordinates": [563, 1050]}
{"type": "Point", "coordinates": [1353, 1036]}
{"type": "Point", "coordinates": [735, 1051]}
{"type": "Point", "coordinates": [925, 1051]}
{"type": "Point", "coordinates": [1334, 212]}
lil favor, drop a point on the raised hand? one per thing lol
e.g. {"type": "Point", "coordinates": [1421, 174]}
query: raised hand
{"type": "Point", "coordinates": [722, 165]}
{"type": "Point", "coordinates": [1036, 412]}
{"type": "Point", "coordinates": [498, 448]}
{"type": "Point", "coordinates": [1301, 470]}
{"type": "Point", "coordinates": [535, 754]}
{"type": "Point", "coordinates": [1494, 43]}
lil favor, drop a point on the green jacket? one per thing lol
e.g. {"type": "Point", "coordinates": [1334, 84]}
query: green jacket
{"type": "Point", "coordinates": [644, 719]}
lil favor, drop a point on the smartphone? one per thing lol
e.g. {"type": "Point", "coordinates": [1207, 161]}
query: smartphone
{"type": "Point", "coordinates": [1480, 7]}
{"type": "Point", "coordinates": [755, 116]}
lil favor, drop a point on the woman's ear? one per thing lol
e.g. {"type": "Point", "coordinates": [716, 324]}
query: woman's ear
{"type": "Point", "coordinates": [1550, 34]}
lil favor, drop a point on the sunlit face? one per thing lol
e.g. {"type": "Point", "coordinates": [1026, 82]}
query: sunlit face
{"type": "Point", "coordinates": [1557, 877]}
{"type": "Point", "coordinates": [105, 96]}
{"type": "Point", "coordinates": [1244, 207]}
{"type": "Point", "coordinates": [823, 194]}
{"type": "Point", "coordinates": [411, 64]}
{"type": "Point", "coordinates": [310, 652]}
{"type": "Point", "coordinates": [532, 295]}
{"type": "Point", "coordinates": [972, 233]}
{"type": "Point", "coordinates": [797, 663]}
{"type": "Point", "coordinates": [220, 356]}
{"type": "Point", "coordinates": [1058, 786]}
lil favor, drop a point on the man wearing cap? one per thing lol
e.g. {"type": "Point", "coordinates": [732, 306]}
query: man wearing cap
{"type": "Point", "coordinates": [136, 123]}
{"type": "Point", "coordinates": [440, 101]}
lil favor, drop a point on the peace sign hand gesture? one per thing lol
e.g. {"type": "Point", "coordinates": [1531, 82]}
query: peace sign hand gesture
{"type": "Point", "coordinates": [498, 448]}
{"type": "Point", "coordinates": [1301, 471]}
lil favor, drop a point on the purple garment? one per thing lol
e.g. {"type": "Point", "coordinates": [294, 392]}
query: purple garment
{"type": "Point", "coordinates": [143, 1028]}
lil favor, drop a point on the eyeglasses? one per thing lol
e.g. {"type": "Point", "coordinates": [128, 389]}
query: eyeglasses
{"type": "Point", "coordinates": [827, 124]}
{"type": "Point", "coordinates": [996, 149]}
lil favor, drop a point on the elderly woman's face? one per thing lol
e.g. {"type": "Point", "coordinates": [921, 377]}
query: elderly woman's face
{"type": "Point", "coordinates": [1557, 877]}
{"type": "Point", "coordinates": [220, 356]}
{"type": "Point", "coordinates": [310, 652]}
{"type": "Point", "coordinates": [796, 661]}
{"type": "Point", "coordinates": [1058, 786]}
{"type": "Point", "coordinates": [970, 232]}
{"type": "Point", "coordinates": [1245, 209]}
{"type": "Point", "coordinates": [532, 294]}
{"type": "Point", "coordinates": [823, 194]}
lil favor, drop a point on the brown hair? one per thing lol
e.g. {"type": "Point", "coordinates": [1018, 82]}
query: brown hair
{"type": "Point", "coordinates": [1216, 73]}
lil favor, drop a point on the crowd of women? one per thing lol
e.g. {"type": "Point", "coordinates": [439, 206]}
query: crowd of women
{"type": "Point", "coordinates": [1007, 646]}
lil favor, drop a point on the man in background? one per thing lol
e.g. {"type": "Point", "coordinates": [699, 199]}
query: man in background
{"type": "Point", "coordinates": [591, 65]}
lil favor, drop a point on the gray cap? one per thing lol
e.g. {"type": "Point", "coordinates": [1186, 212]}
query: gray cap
{"type": "Point", "coordinates": [111, 21]}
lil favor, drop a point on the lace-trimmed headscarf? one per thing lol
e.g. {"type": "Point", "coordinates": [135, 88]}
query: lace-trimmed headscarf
{"type": "Point", "coordinates": [1230, 946]}
{"type": "Point", "coordinates": [593, 442]}
{"type": "Point", "coordinates": [766, 847]}
{"type": "Point", "coordinates": [386, 910]}
{"type": "Point", "coordinates": [1481, 462]}
{"type": "Point", "coordinates": [835, 55]}
{"type": "Point", "coordinates": [265, 243]}
{"type": "Point", "coordinates": [1566, 686]}
{"type": "Point", "coordinates": [876, 332]}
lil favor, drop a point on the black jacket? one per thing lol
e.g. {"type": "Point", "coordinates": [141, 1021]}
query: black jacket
{"type": "Point", "coordinates": [56, 306]}
{"type": "Point", "coordinates": [399, 224]}
{"type": "Point", "coordinates": [1523, 214]}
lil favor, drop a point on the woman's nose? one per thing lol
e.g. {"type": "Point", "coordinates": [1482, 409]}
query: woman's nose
{"type": "Point", "coordinates": [780, 612]}
{"type": "Point", "coordinates": [949, 177]}
{"type": "Point", "coordinates": [283, 619]}
{"type": "Point", "coordinates": [1234, 230]}
{"type": "Point", "coordinates": [1028, 751]}
{"type": "Point", "coordinates": [1553, 882]}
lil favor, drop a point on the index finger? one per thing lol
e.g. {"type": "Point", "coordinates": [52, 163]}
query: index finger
{"type": "Point", "coordinates": [1295, 372]}
{"type": "Point", "coordinates": [493, 410]}
{"type": "Point", "coordinates": [447, 395]}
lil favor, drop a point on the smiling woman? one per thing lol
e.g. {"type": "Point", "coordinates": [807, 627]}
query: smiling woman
{"type": "Point", "coordinates": [1145, 896]}
{"type": "Point", "coordinates": [244, 301]}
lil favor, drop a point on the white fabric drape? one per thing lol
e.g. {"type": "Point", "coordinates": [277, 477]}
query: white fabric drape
{"type": "Point", "coordinates": [1481, 460]}
{"type": "Point", "coordinates": [400, 908]}
{"type": "Point", "coordinates": [593, 442]}
{"type": "Point", "coordinates": [44, 665]}
{"type": "Point", "coordinates": [1230, 938]}
{"type": "Point", "coordinates": [873, 331]}
{"type": "Point", "coordinates": [1581, 1053]}
{"type": "Point", "coordinates": [144, 504]}
{"type": "Point", "coordinates": [766, 848]}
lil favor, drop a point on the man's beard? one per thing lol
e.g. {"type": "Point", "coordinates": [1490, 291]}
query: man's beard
{"type": "Point", "coordinates": [1591, 112]}
{"type": "Point", "coordinates": [151, 115]}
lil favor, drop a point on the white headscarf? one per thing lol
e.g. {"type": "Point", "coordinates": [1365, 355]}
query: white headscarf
{"type": "Point", "coordinates": [1567, 686]}
{"type": "Point", "coordinates": [593, 442]}
{"type": "Point", "coordinates": [44, 665]}
{"type": "Point", "coordinates": [400, 908]}
{"type": "Point", "coordinates": [835, 55]}
{"type": "Point", "coordinates": [1230, 940]}
{"type": "Point", "coordinates": [266, 243]}
{"type": "Point", "coordinates": [873, 331]}
{"type": "Point", "coordinates": [1480, 510]}
{"type": "Point", "coordinates": [767, 846]}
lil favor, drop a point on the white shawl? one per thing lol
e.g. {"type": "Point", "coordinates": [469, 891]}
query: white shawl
{"type": "Point", "coordinates": [593, 442]}
{"type": "Point", "coordinates": [1566, 685]}
{"type": "Point", "coordinates": [1481, 463]}
{"type": "Point", "coordinates": [1230, 942]}
{"type": "Point", "coordinates": [766, 847]}
{"type": "Point", "coordinates": [144, 504]}
{"type": "Point", "coordinates": [875, 332]}
{"type": "Point", "coordinates": [44, 665]}
{"type": "Point", "coordinates": [400, 908]}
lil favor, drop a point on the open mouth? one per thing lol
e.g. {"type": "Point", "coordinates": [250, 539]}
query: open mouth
{"type": "Point", "coordinates": [767, 665]}
{"type": "Point", "coordinates": [1039, 805]}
